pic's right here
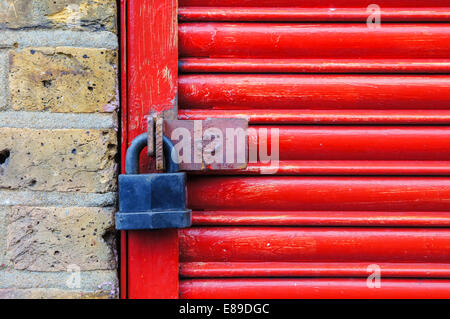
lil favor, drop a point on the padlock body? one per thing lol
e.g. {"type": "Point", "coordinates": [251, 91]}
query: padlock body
{"type": "Point", "coordinates": [152, 201]}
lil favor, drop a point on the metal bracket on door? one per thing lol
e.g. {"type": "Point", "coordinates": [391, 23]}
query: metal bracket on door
{"type": "Point", "coordinates": [210, 144]}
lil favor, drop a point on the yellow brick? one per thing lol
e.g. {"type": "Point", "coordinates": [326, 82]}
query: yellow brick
{"type": "Point", "coordinates": [92, 15]}
{"type": "Point", "coordinates": [58, 160]}
{"type": "Point", "coordinates": [64, 79]}
{"type": "Point", "coordinates": [51, 293]}
{"type": "Point", "coordinates": [57, 238]}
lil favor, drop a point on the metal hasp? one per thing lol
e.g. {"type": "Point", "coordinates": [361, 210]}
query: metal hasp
{"type": "Point", "coordinates": [152, 201]}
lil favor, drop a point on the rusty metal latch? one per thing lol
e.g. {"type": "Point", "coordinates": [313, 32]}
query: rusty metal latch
{"type": "Point", "coordinates": [210, 144]}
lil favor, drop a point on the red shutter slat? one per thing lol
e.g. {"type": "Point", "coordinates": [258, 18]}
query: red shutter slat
{"type": "Point", "coordinates": [269, 244]}
{"type": "Point", "coordinates": [319, 193]}
{"type": "Point", "coordinates": [283, 40]}
{"type": "Point", "coordinates": [361, 116]}
{"type": "Point", "coordinates": [223, 65]}
{"type": "Point", "coordinates": [313, 3]}
{"type": "Point", "coordinates": [294, 288]}
{"type": "Point", "coordinates": [327, 167]}
{"type": "Point", "coordinates": [357, 142]}
{"type": "Point", "coordinates": [309, 269]}
{"type": "Point", "coordinates": [310, 14]}
{"type": "Point", "coordinates": [321, 218]}
{"type": "Point", "coordinates": [215, 91]}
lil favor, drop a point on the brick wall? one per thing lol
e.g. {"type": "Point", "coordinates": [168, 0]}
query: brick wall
{"type": "Point", "coordinates": [58, 148]}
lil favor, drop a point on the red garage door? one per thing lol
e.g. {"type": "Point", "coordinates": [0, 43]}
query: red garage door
{"type": "Point", "coordinates": [362, 110]}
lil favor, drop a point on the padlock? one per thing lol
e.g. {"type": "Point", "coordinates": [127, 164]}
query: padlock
{"type": "Point", "coordinates": [152, 201]}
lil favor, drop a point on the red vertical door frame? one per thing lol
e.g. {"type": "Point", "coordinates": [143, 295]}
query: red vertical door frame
{"type": "Point", "coordinates": [149, 78]}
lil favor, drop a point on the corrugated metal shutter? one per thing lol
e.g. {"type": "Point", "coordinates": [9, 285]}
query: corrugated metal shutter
{"type": "Point", "coordinates": [364, 158]}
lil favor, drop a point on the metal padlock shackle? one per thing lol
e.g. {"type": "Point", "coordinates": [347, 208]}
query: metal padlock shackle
{"type": "Point", "coordinates": [136, 147]}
